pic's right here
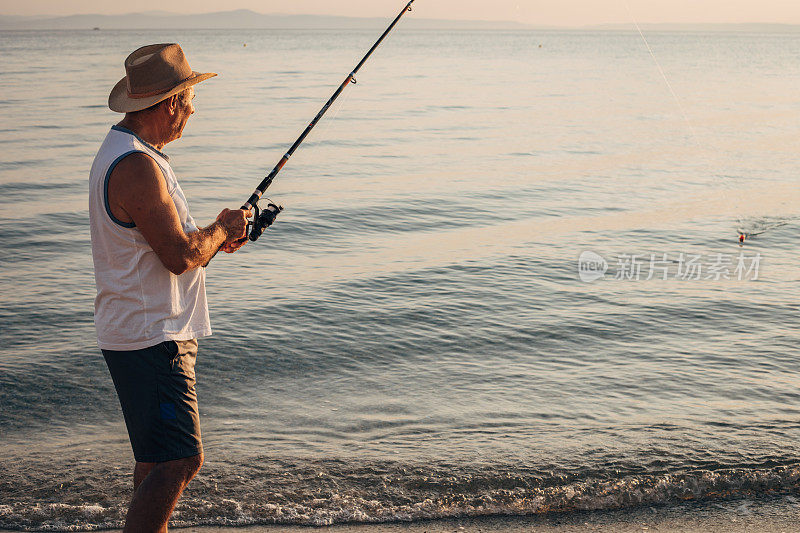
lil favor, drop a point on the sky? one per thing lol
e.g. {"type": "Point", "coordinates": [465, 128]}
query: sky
{"type": "Point", "coordinates": [537, 12]}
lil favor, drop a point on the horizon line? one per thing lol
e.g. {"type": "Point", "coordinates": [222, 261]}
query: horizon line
{"type": "Point", "coordinates": [166, 14]}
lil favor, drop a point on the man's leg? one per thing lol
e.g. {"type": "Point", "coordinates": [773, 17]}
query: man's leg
{"type": "Point", "coordinates": [158, 492]}
{"type": "Point", "coordinates": [156, 388]}
{"type": "Point", "coordinates": [140, 472]}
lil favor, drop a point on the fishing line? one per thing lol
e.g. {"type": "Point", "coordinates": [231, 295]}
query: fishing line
{"type": "Point", "coordinates": [743, 233]}
{"type": "Point", "coordinates": [664, 75]}
{"type": "Point", "coordinates": [320, 137]}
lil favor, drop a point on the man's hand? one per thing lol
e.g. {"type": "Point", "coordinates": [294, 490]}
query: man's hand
{"type": "Point", "coordinates": [235, 225]}
{"type": "Point", "coordinates": [233, 246]}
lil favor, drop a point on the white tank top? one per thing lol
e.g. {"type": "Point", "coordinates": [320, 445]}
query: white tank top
{"type": "Point", "coordinates": [139, 302]}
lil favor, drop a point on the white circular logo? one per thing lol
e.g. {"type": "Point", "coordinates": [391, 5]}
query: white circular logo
{"type": "Point", "coordinates": [591, 267]}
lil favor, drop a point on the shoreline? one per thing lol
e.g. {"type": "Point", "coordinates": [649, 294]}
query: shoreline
{"type": "Point", "coordinates": [781, 515]}
{"type": "Point", "coordinates": [775, 514]}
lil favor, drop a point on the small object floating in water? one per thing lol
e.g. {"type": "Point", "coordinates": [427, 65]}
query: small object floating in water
{"type": "Point", "coordinates": [244, 45]}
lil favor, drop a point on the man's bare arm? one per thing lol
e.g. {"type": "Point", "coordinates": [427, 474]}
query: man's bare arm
{"type": "Point", "coordinates": [137, 192]}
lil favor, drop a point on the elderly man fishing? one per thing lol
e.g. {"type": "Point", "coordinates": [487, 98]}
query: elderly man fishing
{"type": "Point", "coordinates": [149, 259]}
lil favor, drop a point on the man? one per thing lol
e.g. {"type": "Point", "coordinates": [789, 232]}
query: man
{"type": "Point", "coordinates": [149, 260]}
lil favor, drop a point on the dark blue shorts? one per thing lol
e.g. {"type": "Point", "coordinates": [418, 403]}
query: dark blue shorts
{"type": "Point", "coordinates": [156, 389]}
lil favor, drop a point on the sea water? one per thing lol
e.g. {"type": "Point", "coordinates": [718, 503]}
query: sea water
{"type": "Point", "coordinates": [507, 278]}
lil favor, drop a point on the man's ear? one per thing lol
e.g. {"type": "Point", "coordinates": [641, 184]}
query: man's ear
{"type": "Point", "coordinates": [172, 104]}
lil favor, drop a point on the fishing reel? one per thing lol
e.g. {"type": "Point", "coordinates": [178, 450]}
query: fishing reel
{"type": "Point", "coordinates": [262, 219]}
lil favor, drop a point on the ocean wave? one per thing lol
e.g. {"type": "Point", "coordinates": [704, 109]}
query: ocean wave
{"type": "Point", "coordinates": [321, 493]}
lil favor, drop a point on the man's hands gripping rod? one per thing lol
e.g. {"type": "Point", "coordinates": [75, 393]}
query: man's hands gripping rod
{"type": "Point", "coordinates": [235, 223]}
{"type": "Point", "coordinates": [239, 228]}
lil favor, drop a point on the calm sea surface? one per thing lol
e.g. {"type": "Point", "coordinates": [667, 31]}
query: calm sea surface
{"type": "Point", "coordinates": [412, 339]}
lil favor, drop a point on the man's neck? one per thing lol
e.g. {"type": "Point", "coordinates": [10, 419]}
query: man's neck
{"type": "Point", "coordinates": [145, 132]}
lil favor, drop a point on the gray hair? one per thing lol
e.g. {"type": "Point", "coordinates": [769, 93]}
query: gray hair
{"type": "Point", "coordinates": [183, 97]}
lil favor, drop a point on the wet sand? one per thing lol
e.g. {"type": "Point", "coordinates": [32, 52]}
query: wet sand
{"type": "Point", "coordinates": [770, 515]}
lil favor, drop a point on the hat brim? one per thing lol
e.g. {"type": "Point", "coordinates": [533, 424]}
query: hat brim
{"type": "Point", "coordinates": [120, 102]}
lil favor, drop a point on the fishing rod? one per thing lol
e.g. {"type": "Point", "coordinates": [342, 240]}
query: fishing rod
{"type": "Point", "coordinates": [262, 219]}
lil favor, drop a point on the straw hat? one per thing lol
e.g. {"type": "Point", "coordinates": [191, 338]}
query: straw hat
{"type": "Point", "coordinates": [154, 73]}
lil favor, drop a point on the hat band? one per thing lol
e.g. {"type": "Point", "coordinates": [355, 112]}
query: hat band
{"type": "Point", "coordinates": [158, 91]}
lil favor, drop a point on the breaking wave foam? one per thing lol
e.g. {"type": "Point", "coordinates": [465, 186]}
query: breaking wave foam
{"type": "Point", "coordinates": [326, 493]}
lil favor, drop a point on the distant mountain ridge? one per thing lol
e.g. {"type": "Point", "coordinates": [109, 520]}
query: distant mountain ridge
{"type": "Point", "coordinates": [743, 27]}
{"type": "Point", "coordinates": [236, 19]}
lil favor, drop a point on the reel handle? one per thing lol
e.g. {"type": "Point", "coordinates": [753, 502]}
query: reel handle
{"type": "Point", "coordinates": [262, 219]}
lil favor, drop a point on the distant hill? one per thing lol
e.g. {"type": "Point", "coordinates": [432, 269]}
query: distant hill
{"type": "Point", "coordinates": [746, 27]}
{"type": "Point", "coordinates": [239, 19]}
